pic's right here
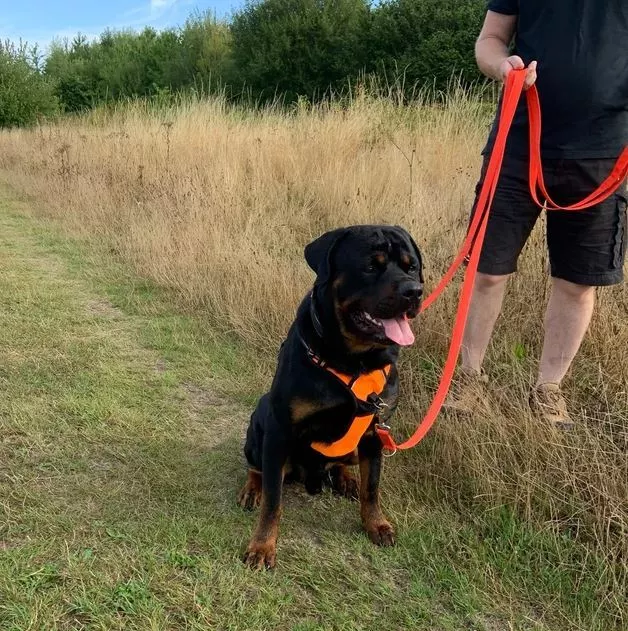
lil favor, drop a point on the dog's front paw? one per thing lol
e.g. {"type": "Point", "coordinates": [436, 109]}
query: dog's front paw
{"type": "Point", "coordinates": [381, 533]}
{"type": "Point", "coordinates": [251, 494]}
{"type": "Point", "coordinates": [260, 555]}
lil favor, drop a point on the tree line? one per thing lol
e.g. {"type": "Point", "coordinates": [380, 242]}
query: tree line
{"type": "Point", "coordinates": [269, 49]}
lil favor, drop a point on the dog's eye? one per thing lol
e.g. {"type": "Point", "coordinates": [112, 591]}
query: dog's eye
{"type": "Point", "coordinates": [376, 264]}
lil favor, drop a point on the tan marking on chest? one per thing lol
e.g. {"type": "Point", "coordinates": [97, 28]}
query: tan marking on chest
{"type": "Point", "coordinates": [302, 408]}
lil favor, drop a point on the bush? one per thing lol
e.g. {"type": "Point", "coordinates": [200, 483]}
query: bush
{"type": "Point", "coordinates": [25, 95]}
{"type": "Point", "coordinates": [125, 64]}
{"type": "Point", "coordinates": [300, 47]}
{"type": "Point", "coordinates": [286, 48]}
{"type": "Point", "coordinates": [426, 41]}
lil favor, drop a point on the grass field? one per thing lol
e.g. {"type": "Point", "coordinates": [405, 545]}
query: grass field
{"type": "Point", "coordinates": [146, 283]}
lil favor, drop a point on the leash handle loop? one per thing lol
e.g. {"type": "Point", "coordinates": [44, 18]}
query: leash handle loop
{"type": "Point", "coordinates": [536, 180]}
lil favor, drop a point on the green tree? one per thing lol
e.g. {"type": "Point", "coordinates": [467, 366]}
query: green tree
{"type": "Point", "coordinates": [126, 64]}
{"type": "Point", "coordinates": [26, 96]}
{"type": "Point", "coordinates": [300, 47]}
{"type": "Point", "coordinates": [426, 41]}
{"type": "Point", "coordinates": [206, 51]}
{"type": "Point", "coordinates": [71, 87]}
{"type": "Point", "coordinates": [274, 47]}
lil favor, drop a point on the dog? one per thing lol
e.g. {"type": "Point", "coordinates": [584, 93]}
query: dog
{"type": "Point", "coordinates": [336, 380]}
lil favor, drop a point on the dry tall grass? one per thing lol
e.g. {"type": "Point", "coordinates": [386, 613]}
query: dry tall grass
{"type": "Point", "coordinates": [218, 204]}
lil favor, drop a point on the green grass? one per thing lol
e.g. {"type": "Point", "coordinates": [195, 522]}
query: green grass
{"type": "Point", "coordinates": [121, 425]}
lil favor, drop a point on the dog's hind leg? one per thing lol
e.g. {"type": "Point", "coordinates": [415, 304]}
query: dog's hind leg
{"type": "Point", "coordinates": [343, 482]}
{"type": "Point", "coordinates": [293, 473]}
{"type": "Point", "coordinates": [251, 493]}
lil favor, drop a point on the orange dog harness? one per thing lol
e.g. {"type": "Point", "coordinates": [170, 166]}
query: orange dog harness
{"type": "Point", "coordinates": [366, 390]}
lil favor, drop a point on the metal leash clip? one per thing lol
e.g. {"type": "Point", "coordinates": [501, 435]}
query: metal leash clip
{"type": "Point", "coordinates": [378, 402]}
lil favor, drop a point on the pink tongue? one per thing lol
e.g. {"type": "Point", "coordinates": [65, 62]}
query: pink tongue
{"type": "Point", "coordinates": [398, 330]}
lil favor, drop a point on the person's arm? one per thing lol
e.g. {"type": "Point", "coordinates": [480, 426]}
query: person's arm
{"type": "Point", "coordinates": [491, 48]}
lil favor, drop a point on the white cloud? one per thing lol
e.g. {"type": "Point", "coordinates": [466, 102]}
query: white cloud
{"type": "Point", "coordinates": [150, 13]}
{"type": "Point", "coordinates": [161, 5]}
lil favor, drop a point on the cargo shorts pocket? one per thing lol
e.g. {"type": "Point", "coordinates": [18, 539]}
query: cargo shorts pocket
{"type": "Point", "coordinates": [619, 249]}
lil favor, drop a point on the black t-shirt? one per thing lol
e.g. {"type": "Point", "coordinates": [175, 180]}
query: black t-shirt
{"type": "Point", "coordinates": [581, 47]}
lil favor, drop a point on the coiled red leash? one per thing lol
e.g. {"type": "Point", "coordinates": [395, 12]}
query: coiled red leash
{"type": "Point", "coordinates": [604, 190]}
{"type": "Point", "coordinates": [472, 246]}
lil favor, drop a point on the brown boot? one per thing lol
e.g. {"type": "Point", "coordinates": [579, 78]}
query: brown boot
{"type": "Point", "coordinates": [548, 403]}
{"type": "Point", "coordinates": [468, 393]}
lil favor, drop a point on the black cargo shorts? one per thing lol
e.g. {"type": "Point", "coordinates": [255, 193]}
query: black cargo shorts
{"type": "Point", "coordinates": [586, 247]}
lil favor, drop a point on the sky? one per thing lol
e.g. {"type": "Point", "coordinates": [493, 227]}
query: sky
{"type": "Point", "coordinates": [41, 21]}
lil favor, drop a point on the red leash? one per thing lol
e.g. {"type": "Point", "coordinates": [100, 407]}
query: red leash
{"type": "Point", "coordinates": [472, 246]}
{"type": "Point", "coordinates": [606, 188]}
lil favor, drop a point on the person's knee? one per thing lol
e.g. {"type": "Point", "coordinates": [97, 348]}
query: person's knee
{"type": "Point", "coordinates": [487, 283]}
{"type": "Point", "coordinates": [573, 291]}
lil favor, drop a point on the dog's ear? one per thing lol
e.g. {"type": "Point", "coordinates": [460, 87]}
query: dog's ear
{"type": "Point", "coordinates": [319, 252]}
{"type": "Point", "coordinates": [416, 249]}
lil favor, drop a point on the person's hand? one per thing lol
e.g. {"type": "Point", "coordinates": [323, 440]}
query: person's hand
{"type": "Point", "coordinates": [516, 63]}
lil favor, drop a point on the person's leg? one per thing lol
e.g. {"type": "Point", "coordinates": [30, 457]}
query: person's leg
{"type": "Point", "coordinates": [567, 319]}
{"type": "Point", "coordinates": [512, 217]}
{"type": "Point", "coordinates": [587, 250]}
{"type": "Point", "coordinates": [486, 305]}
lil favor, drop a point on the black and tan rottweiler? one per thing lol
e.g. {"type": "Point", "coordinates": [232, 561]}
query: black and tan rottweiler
{"type": "Point", "coordinates": [344, 341]}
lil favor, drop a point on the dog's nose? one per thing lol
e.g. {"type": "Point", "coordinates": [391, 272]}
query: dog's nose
{"type": "Point", "coordinates": [411, 290]}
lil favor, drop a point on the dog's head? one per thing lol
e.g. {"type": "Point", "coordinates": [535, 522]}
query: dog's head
{"type": "Point", "coordinates": [373, 278]}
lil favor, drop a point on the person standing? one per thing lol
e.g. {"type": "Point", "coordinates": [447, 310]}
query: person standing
{"type": "Point", "coordinates": [577, 53]}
